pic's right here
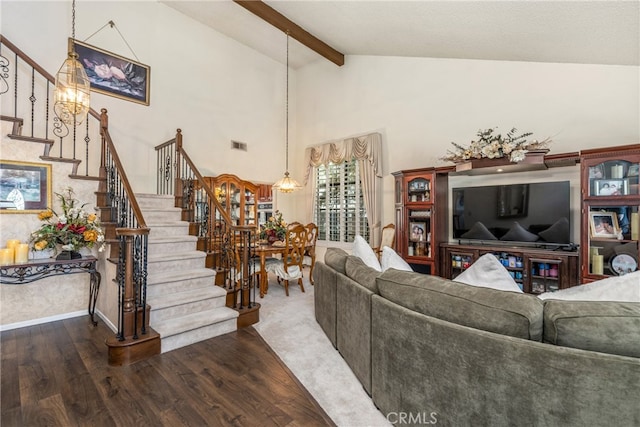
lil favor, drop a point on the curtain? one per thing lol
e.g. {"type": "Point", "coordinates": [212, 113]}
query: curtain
{"type": "Point", "coordinates": [367, 150]}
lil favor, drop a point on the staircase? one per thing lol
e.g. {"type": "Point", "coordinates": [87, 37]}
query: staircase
{"type": "Point", "coordinates": [186, 305]}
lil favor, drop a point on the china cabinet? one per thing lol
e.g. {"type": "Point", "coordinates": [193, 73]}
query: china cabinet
{"type": "Point", "coordinates": [421, 216]}
{"type": "Point", "coordinates": [610, 226]}
{"type": "Point", "coordinates": [237, 197]}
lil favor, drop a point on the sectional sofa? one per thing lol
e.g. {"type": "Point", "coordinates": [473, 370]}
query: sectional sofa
{"type": "Point", "coordinates": [432, 351]}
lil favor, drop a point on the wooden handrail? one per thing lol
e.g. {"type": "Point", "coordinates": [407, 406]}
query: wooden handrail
{"type": "Point", "coordinates": [35, 66]}
{"type": "Point", "coordinates": [123, 176]}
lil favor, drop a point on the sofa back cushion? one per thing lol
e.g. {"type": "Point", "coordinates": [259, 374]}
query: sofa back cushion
{"type": "Point", "coordinates": [335, 258]}
{"type": "Point", "coordinates": [506, 313]}
{"type": "Point", "coordinates": [361, 273]}
{"type": "Point", "coordinates": [603, 326]}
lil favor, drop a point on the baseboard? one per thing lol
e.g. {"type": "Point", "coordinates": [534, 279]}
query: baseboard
{"type": "Point", "coordinates": [41, 320]}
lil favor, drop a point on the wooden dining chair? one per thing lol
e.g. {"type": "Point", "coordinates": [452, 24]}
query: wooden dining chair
{"type": "Point", "coordinates": [387, 239]}
{"type": "Point", "coordinates": [290, 266]}
{"type": "Point", "coordinates": [310, 249]}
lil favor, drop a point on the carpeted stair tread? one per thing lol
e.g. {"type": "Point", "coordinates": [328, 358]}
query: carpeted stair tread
{"type": "Point", "coordinates": [171, 239]}
{"type": "Point", "coordinates": [162, 257]}
{"type": "Point", "coordinates": [193, 321]}
{"type": "Point", "coordinates": [179, 298]}
{"type": "Point", "coordinates": [176, 276]}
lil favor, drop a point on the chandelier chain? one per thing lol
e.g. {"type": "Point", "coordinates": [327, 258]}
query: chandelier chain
{"type": "Point", "coordinates": [287, 111]}
{"type": "Point", "coordinates": [73, 19]}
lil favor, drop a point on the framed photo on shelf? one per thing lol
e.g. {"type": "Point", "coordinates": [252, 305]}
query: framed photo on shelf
{"type": "Point", "coordinates": [611, 187]}
{"type": "Point", "coordinates": [634, 170]}
{"type": "Point", "coordinates": [604, 225]}
{"type": "Point", "coordinates": [24, 187]}
{"type": "Point", "coordinates": [418, 231]}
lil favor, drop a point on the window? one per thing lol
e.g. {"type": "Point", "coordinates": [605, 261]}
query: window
{"type": "Point", "coordinates": [338, 203]}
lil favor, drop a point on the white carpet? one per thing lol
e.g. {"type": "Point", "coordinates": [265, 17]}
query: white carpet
{"type": "Point", "coordinates": [289, 326]}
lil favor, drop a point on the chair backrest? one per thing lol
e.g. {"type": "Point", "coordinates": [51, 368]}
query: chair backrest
{"type": "Point", "coordinates": [296, 241]}
{"type": "Point", "coordinates": [388, 236]}
{"type": "Point", "coordinates": [312, 238]}
{"type": "Point", "coordinates": [293, 224]}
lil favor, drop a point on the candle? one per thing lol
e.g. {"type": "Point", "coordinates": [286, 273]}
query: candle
{"type": "Point", "coordinates": [597, 266]}
{"type": "Point", "coordinates": [616, 171]}
{"type": "Point", "coordinates": [6, 256]}
{"type": "Point", "coordinates": [12, 243]}
{"type": "Point", "coordinates": [635, 226]}
{"type": "Point", "coordinates": [21, 253]}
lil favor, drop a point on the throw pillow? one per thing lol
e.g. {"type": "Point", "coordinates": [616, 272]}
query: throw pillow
{"type": "Point", "coordinates": [517, 233]}
{"type": "Point", "coordinates": [487, 272]}
{"type": "Point", "coordinates": [479, 231]}
{"type": "Point", "coordinates": [390, 259]}
{"type": "Point", "coordinates": [620, 288]}
{"type": "Point", "coordinates": [362, 250]}
{"type": "Point", "coordinates": [557, 233]}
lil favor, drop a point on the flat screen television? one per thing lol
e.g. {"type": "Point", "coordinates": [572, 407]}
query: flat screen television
{"type": "Point", "coordinates": [535, 214]}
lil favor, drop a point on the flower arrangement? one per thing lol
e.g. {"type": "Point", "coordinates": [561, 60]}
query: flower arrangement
{"type": "Point", "coordinates": [274, 229]}
{"type": "Point", "coordinates": [73, 230]}
{"type": "Point", "coordinates": [494, 146]}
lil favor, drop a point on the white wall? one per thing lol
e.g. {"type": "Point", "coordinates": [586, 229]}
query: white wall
{"type": "Point", "coordinates": [421, 105]}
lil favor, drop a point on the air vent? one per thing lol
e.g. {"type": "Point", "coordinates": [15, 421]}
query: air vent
{"type": "Point", "coordinates": [237, 145]}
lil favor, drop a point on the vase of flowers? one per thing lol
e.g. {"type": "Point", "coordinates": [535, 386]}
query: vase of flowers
{"type": "Point", "coordinates": [491, 145]}
{"type": "Point", "coordinates": [68, 232]}
{"type": "Point", "coordinates": [274, 229]}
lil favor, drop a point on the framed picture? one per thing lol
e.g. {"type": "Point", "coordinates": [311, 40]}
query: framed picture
{"type": "Point", "coordinates": [633, 170]}
{"type": "Point", "coordinates": [604, 225]}
{"type": "Point", "coordinates": [24, 187]}
{"type": "Point", "coordinates": [112, 74]}
{"type": "Point", "coordinates": [418, 231]}
{"type": "Point", "coordinates": [611, 187]}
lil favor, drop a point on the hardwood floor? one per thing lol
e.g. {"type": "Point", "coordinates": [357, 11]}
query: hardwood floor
{"type": "Point", "coordinates": [56, 374]}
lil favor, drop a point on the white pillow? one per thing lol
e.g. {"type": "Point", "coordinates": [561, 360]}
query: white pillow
{"type": "Point", "coordinates": [362, 250]}
{"type": "Point", "coordinates": [619, 288]}
{"type": "Point", "coordinates": [390, 259]}
{"type": "Point", "coordinates": [487, 272]}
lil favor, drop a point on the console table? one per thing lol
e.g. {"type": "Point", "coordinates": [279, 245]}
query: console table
{"type": "Point", "coordinates": [18, 274]}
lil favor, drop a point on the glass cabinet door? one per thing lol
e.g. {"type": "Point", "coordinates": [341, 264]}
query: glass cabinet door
{"type": "Point", "coordinates": [419, 190]}
{"type": "Point", "coordinates": [613, 178]}
{"type": "Point", "coordinates": [249, 207]}
{"type": "Point", "coordinates": [419, 232]}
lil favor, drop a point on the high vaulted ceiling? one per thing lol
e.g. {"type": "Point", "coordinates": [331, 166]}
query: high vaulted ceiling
{"type": "Point", "coordinates": [583, 32]}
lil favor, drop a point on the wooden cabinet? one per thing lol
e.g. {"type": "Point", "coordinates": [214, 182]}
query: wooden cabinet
{"type": "Point", "coordinates": [534, 270]}
{"type": "Point", "coordinates": [421, 216]}
{"type": "Point", "coordinates": [610, 226]}
{"type": "Point", "coordinates": [237, 197]}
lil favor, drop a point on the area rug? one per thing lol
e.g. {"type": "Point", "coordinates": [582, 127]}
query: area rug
{"type": "Point", "coordinates": [288, 325]}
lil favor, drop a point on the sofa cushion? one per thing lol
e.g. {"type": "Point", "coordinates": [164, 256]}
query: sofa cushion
{"type": "Point", "coordinates": [391, 259]}
{"type": "Point", "coordinates": [603, 326]}
{"type": "Point", "coordinates": [618, 288]}
{"type": "Point", "coordinates": [506, 313]}
{"type": "Point", "coordinates": [361, 273]}
{"type": "Point", "coordinates": [479, 231]}
{"type": "Point", "coordinates": [487, 272]}
{"type": "Point", "coordinates": [335, 258]}
{"type": "Point", "coordinates": [518, 233]}
{"type": "Point", "coordinates": [362, 250]}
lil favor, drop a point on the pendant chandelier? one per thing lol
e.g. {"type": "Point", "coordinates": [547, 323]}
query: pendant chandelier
{"type": "Point", "coordinates": [71, 94]}
{"type": "Point", "coordinates": [287, 184]}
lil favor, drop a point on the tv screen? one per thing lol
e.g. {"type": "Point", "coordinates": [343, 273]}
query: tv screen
{"type": "Point", "coordinates": [535, 214]}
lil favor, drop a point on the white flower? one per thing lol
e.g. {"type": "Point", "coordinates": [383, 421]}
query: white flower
{"type": "Point", "coordinates": [62, 219]}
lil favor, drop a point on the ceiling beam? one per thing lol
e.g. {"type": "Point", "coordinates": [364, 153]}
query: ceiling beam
{"type": "Point", "coordinates": [278, 20]}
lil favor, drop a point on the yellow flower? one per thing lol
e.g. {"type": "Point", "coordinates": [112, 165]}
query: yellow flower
{"type": "Point", "coordinates": [90, 236]}
{"type": "Point", "coordinates": [91, 218]}
{"type": "Point", "coordinates": [45, 215]}
{"type": "Point", "coordinates": [40, 245]}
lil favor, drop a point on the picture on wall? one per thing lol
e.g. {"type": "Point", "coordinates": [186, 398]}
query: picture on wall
{"type": "Point", "coordinates": [112, 74]}
{"type": "Point", "coordinates": [24, 187]}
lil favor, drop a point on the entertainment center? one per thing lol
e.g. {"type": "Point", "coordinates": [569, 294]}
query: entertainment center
{"type": "Point", "coordinates": [526, 226]}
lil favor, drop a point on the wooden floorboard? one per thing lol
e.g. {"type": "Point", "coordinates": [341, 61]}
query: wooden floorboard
{"type": "Point", "coordinates": [57, 374]}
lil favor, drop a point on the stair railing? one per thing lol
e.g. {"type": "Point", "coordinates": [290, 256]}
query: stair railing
{"type": "Point", "coordinates": [24, 82]}
{"type": "Point", "coordinates": [132, 234]}
{"type": "Point", "coordinates": [230, 248]}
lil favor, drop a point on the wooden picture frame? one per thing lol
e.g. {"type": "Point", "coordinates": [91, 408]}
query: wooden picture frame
{"type": "Point", "coordinates": [25, 188]}
{"type": "Point", "coordinates": [112, 74]}
{"type": "Point", "coordinates": [604, 225]}
{"type": "Point", "coordinates": [417, 230]}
